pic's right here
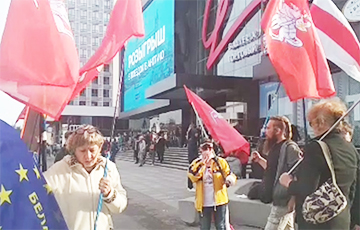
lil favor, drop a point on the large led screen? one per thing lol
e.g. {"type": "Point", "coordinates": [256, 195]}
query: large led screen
{"type": "Point", "coordinates": [150, 59]}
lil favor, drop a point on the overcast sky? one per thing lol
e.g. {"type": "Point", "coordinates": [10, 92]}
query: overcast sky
{"type": "Point", "coordinates": [10, 109]}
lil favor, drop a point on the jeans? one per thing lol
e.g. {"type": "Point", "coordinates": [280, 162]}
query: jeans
{"type": "Point", "coordinates": [219, 214]}
{"type": "Point", "coordinates": [136, 156]}
{"type": "Point", "coordinates": [280, 218]}
{"type": "Point", "coordinates": [152, 154]}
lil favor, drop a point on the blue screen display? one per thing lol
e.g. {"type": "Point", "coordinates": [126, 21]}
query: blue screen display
{"type": "Point", "coordinates": [150, 59]}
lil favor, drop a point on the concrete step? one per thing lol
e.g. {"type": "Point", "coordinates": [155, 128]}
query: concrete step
{"type": "Point", "coordinates": [175, 158]}
{"type": "Point", "coordinates": [165, 163]}
{"type": "Point", "coordinates": [184, 164]}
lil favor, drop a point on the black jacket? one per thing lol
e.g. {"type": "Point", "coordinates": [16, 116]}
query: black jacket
{"type": "Point", "coordinates": [313, 172]}
{"type": "Point", "coordinates": [355, 209]}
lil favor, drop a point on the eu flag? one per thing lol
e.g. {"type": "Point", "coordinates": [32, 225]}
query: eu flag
{"type": "Point", "coordinates": [26, 201]}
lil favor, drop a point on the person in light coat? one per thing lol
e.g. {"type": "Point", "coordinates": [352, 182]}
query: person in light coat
{"type": "Point", "coordinates": [78, 179]}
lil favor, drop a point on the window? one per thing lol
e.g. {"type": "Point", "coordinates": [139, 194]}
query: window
{"type": "Point", "coordinates": [106, 18]}
{"type": "Point", "coordinates": [106, 93]}
{"type": "Point", "coordinates": [83, 53]}
{"type": "Point", "coordinates": [106, 80]}
{"type": "Point", "coordinates": [71, 103]}
{"type": "Point", "coordinates": [106, 68]}
{"type": "Point", "coordinates": [83, 14]}
{"type": "Point", "coordinates": [71, 12]}
{"type": "Point", "coordinates": [95, 81]}
{"type": "Point", "coordinates": [94, 92]}
{"type": "Point", "coordinates": [83, 93]}
{"type": "Point", "coordinates": [82, 103]}
{"type": "Point", "coordinates": [106, 104]}
{"type": "Point", "coordinates": [83, 26]}
{"type": "Point", "coordinates": [95, 42]}
{"type": "Point", "coordinates": [82, 40]}
{"type": "Point", "coordinates": [94, 103]}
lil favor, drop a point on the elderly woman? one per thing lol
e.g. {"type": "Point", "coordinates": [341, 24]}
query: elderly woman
{"type": "Point", "coordinates": [314, 171]}
{"type": "Point", "coordinates": [77, 181]}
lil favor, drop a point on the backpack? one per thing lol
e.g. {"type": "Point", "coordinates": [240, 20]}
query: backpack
{"type": "Point", "coordinates": [280, 194]}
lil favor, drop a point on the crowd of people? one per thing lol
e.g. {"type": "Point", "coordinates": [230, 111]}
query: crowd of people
{"type": "Point", "coordinates": [323, 192]}
{"type": "Point", "coordinates": [330, 162]}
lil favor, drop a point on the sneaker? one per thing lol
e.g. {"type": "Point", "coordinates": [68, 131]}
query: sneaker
{"type": "Point", "coordinates": [191, 190]}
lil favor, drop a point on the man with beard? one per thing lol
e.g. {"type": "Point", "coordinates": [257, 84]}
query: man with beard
{"type": "Point", "coordinates": [282, 155]}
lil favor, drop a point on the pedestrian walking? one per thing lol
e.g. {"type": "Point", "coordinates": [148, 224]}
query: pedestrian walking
{"type": "Point", "coordinates": [135, 145]}
{"type": "Point", "coordinates": [142, 150]}
{"type": "Point", "coordinates": [160, 146]}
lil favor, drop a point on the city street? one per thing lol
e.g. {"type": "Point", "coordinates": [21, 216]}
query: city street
{"type": "Point", "coordinates": [153, 194]}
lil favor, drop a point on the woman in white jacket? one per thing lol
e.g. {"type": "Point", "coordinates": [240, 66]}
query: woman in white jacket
{"type": "Point", "coordinates": [77, 181]}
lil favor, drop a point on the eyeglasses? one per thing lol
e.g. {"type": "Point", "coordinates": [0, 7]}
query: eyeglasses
{"type": "Point", "coordinates": [88, 129]}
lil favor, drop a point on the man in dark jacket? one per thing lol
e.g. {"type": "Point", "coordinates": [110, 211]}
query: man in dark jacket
{"type": "Point", "coordinates": [193, 138]}
{"type": "Point", "coordinates": [63, 151]}
{"type": "Point", "coordinates": [283, 154]}
{"type": "Point", "coordinates": [160, 146]}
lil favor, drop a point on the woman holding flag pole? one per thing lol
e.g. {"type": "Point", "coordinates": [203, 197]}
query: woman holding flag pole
{"type": "Point", "coordinates": [336, 168]}
{"type": "Point", "coordinates": [78, 180]}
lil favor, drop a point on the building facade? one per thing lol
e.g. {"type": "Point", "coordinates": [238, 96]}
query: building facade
{"type": "Point", "coordinates": [218, 52]}
{"type": "Point", "coordinates": [95, 105]}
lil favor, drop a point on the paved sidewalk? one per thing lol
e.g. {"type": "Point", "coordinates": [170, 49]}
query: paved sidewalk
{"type": "Point", "coordinates": [153, 194]}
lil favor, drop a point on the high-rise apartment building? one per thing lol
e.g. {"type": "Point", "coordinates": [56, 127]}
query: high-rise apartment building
{"type": "Point", "coordinates": [88, 19]}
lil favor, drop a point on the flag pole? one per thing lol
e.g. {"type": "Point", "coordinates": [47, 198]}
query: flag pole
{"type": "Point", "coordinates": [112, 134]}
{"type": "Point", "coordinates": [200, 122]}
{"type": "Point", "coordinates": [304, 119]}
{"type": "Point", "coordinates": [327, 132]}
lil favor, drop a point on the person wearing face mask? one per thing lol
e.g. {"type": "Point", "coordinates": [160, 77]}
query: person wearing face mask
{"type": "Point", "coordinates": [212, 176]}
{"type": "Point", "coordinates": [77, 181]}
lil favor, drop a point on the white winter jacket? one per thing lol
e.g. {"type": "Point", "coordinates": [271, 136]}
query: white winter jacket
{"type": "Point", "coordinates": [77, 193]}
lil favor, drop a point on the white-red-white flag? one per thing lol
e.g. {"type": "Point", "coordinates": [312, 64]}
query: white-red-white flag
{"type": "Point", "coordinates": [339, 40]}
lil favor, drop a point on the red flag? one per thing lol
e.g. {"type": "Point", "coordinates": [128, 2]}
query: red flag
{"type": "Point", "coordinates": [295, 50]}
{"type": "Point", "coordinates": [38, 59]}
{"type": "Point", "coordinates": [126, 21]}
{"type": "Point", "coordinates": [220, 130]}
{"type": "Point", "coordinates": [22, 115]}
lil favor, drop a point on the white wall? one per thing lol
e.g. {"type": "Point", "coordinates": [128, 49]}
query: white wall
{"type": "Point", "coordinates": [94, 111]}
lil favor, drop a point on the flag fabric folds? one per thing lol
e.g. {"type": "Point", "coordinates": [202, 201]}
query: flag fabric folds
{"type": "Point", "coordinates": [39, 63]}
{"type": "Point", "coordinates": [126, 20]}
{"type": "Point", "coordinates": [339, 40]}
{"type": "Point", "coordinates": [220, 130]}
{"type": "Point", "coordinates": [26, 201]}
{"type": "Point", "coordinates": [295, 50]}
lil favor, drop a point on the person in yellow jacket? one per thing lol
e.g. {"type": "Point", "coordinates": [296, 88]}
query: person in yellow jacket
{"type": "Point", "coordinates": [212, 176]}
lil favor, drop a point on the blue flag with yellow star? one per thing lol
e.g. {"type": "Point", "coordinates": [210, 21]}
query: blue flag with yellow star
{"type": "Point", "coordinates": [26, 201]}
